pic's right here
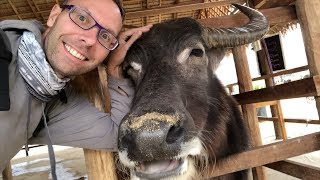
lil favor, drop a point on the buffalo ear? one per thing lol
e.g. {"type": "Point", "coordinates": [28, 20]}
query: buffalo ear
{"type": "Point", "coordinates": [137, 55]}
{"type": "Point", "coordinates": [215, 55]}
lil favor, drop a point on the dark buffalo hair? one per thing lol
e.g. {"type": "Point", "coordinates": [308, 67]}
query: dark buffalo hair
{"type": "Point", "coordinates": [181, 117]}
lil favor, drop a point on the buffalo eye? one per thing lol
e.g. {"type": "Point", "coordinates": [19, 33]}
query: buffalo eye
{"type": "Point", "coordinates": [196, 52]}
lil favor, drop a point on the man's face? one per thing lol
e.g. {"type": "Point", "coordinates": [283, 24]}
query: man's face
{"type": "Point", "coordinates": [71, 50]}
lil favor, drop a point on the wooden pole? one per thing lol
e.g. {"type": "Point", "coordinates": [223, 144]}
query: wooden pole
{"type": "Point", "coordinates": [308, 14]}
{"type": "Point", "coordinates": [100, 164]}
{"type": "Point", "coordinates": [276, 111]}
{"type": "Point", "coordinates": [248, 110]}
{"type": "Point", "coordinates": [7, 172]}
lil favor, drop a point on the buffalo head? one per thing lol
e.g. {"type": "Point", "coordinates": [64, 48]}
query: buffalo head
{"type": "Point", "coordinates": [181, 117]}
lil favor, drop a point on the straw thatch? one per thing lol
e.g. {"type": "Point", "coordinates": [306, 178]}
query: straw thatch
{"type": "Point", "coordinates": [40, 9]}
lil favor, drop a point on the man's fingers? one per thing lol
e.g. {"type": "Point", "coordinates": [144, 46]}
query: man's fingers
{"type": "Point", "coordinates": [131, 35]}
{"type": "Point", "coordinates": [133, 38]}
{"type": "Point", "coordinates": [145, 28]}
{"type": "Point", "coordinates": [124, 35]}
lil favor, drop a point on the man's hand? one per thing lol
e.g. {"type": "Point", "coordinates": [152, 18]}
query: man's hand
{"type": "Point", "coordinates": [116, 57]}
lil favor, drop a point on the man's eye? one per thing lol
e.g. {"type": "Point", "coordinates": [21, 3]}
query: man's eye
{"type": "Point", "coordinates": [105, 36]}
{"type": "Point", "coordinates": [82, 18]}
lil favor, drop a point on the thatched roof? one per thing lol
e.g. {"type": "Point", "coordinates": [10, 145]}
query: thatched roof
{"type": "Point", "coordinates": [140, 12]}
{"type": "Point", "coordinates": [26, 9]}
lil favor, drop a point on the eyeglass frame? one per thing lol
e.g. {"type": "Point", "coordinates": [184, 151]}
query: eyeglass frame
{"type": "Point", "coordinates": [73, 7]}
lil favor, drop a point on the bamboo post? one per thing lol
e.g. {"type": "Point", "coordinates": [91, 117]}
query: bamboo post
{"type": "Point", "coordinates": [309, 15]}
{"type": "Point", "coordinates": [7, 172]}
{"type": "Point", "coordinates": [100, 164]}
{"type": "Point", "coordinates": [248, 110]}
{"type": "Point", "coordinates": [276, 111]}
{"type": "Point", "coordinates": [280, 122]}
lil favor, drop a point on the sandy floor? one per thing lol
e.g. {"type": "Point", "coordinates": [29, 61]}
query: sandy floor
{"type": "Point", "coordinates": [70, 165]}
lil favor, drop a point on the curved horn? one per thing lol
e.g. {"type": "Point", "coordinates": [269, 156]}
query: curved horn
{"type": "Point", "coordinates": [235, 36]}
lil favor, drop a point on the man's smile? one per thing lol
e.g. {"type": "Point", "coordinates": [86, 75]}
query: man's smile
{"type": "Point", "coordinates": [75, 53]}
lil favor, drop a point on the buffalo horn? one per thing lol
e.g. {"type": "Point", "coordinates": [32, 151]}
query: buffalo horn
{"type": "Point", "coordinates": [229, 37]}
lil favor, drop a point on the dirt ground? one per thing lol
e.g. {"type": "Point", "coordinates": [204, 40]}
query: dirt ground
{"type": "Point", "coordinates": [70, 165]}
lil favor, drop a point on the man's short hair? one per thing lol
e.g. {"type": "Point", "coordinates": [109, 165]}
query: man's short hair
{"type": "Point", "coordinates": [118, 2]}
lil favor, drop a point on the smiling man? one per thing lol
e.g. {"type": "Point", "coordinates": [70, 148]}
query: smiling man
{"type": "Point", "coordinates": [80, 35]}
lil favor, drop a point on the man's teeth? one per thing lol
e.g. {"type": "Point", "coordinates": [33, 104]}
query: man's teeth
{"type": "Point", "coordinates": [74, 53]}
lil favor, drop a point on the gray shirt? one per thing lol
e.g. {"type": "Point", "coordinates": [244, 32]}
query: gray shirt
{"type": "Point", "coordinates": [76, 123]}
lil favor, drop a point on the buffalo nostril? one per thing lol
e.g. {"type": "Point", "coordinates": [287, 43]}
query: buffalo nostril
{"type": "Point", "coordinates": [175, 134]}
{"type": "Point", "coordinates": [127, 141]}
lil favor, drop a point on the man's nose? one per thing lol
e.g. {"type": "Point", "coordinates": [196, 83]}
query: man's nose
{"type": "Point", "coordinates": [89, 37]}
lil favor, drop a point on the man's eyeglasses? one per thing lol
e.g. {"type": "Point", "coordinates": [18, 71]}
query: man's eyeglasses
{"type": "Point", "coordinates": [85, 21]}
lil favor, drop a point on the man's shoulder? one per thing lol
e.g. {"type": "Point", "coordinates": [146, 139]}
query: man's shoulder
{"type": "Point", "coordinates": [17, 27]}
{"type": "Point", "coordinates": [13, 29]}
{"type": "Point", "coordinates": [30, 25]}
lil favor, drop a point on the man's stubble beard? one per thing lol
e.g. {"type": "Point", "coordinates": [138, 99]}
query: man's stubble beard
{"type": "Point", "coordinates": [50, 54]}
{"type": "Point", "coordinates": [51, 49]}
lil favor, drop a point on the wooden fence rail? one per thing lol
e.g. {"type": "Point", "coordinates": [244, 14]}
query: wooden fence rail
{"type": "Point", "coordinates": [265, 154]}
{"type": "Point", "coordinates": [290, 120]}
{"type": "Point", "coordinates": [296, 169]}
{"type": "Point", "coordinates": [301, 88]}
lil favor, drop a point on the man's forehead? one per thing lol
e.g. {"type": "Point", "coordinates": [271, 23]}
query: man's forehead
{"type": "Point", "coordinates": [105, 12]}
{"type": "Point", "coordinates": [99, 6]}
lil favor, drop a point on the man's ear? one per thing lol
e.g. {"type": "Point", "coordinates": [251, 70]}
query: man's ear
{"type": "Point", "coordinates": [55, 11]}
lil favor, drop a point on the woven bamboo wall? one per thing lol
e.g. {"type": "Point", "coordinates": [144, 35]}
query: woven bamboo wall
{"type": "Point", "coordinates": [40, 9]}
{"type": "Point", "coordinates": [26, 9]}
{"type": "Point", "coordinates": [136, 5]}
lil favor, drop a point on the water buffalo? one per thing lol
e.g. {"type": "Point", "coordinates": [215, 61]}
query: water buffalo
{"type": "Point", "coordinates": [182, 118]}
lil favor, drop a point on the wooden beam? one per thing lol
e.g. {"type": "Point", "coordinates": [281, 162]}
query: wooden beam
{"type": "Point", "coordinates": [265, 154]}
{"type": "Point", "coordinates": [258, 3]}
{"type": "Point", "coordinates": [179, 8]}
{"type": "Point", "coordinates": [289, 120]}
{"type": "Point", "coordinates": [296, 169]}
{"type": "Point", "coordinates": [309, 15]}
{"type": "Point", "coordinates": [289, 71]}
{"type": "Point", "coordinates": [32, 9]}
{"type": "Point", "coordinates": [18, 15]}
{"type": "Point", "coordinates": [105, 89]}
{"type": "Point", "coordinates": [248, 110]}
{"type": "Point", "coordinates": [263, 4]}
{"type": "Point", "coordinates": [276, 110]}
{"type": "Point", "coordinates": [100, 164]}
{"type": "Point", "coordinates": [266, 103]}
{"type": "Point", "coordinates": [279, 126]}
{"type": "Point", "coordinates": [7, 172]}
{"type": "Point", "coordinates": [274, 15]}
{"type": "Point", "coordinates": [301, 88]}
{"type": "Point", "coordinates": [14, 9]}
{"type": "Point", "coordinates": [35, 4]}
